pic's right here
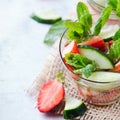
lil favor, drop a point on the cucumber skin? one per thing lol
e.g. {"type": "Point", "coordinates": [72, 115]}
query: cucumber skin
{"type": "Point", "coordinates": [72, 113]}
{"type": "Point", "coordinates": [99, 52]}
{"type": "Point", "coordinates": [108, 39]}
{"type": "Point", "coordinates": [46, 21]}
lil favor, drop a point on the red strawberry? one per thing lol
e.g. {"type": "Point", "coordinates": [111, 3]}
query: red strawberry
{"type": "Point", "coordinates": [117, 67]}
{"type": "Point", "coordinates": [50, 95]}
{"type": "Point", "coordinates": [110, 42]}
{"type": "Point", "coordinates": [95, 42]}
{"type": "Point", "coordinates": [71, 47]}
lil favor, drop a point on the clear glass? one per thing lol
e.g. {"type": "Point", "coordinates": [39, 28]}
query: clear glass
{"type": "Point", "coordinates": [98, 5]}
{"type": "Point", "coordinates": [97, 93]}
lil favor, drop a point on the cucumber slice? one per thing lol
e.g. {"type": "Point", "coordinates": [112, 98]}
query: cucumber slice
{"type": "Point", "coordinates": [73, 108]}
{"type": "Point", "coordinates": [102, 61]}
{"type": "Point", "coordinates": [102, 76]}
{"type": "Point", "coordinates": [48, 17]}
{"type": "Point", "coordinates": [109, 31]}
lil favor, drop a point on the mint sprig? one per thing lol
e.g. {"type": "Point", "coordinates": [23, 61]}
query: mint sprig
{"type": "Point", "coordinates": [80, 30]}
{"type": "Point", "coordinates": [114, 52]}
{"type": "Point", "coordinates": [115, 6]}
{"type": "Point", "coordinates": [82, 64]}
{"type": "Point", "coordinates": [117, 35]}
{"type": "Point", "coordinates": [54, 33]}
{"type": "Point", "coordinates": [102, 20]}
{"type": "Point", "coordinates": [87, 71]}
{"type": "Point", "coordinates": [84, 17]}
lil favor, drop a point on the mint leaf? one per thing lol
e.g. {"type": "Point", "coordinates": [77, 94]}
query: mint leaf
{"type": "Point", "coordinates": [80, 30]}
{"type": "Point", "coordinates": [60, 77]}
{"type": "Point", "coordinates": [75, 26]}
{"type": "Point", "coordinates": [73, 35]}
{"type": "Point", "coordinates": [102, 20]}
{"type": "Point", "coordinates": [87, 71]}
{"type": "Point", "coordinates": [75, 30]}
{"type": "Point", "coordinates": [84, 17]}
{"type": "Point", "coordinates": [117, 35]}
{"type": "Point", "coordinates": [82, 64]}
{"type": "Point", "coordinates": [114, 52]}
{"type": "Point", "coordinates": [118, 8]}
{"type": "Point", "coordinates": [54, 33]}
{"type": "Point", "coordinates": [115, 6]}
{"type": "Point", "coordinates": [77, 60]}
{"type": "Point", "coordinates": [113, 3]}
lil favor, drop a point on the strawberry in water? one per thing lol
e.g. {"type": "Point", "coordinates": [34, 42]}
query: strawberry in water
{"type": "Point", "coordinates": [51, 94]}
{"type": "Point", "coordinates": [71, 47]}
{"type": "Point", "coordinates": [95, 42]}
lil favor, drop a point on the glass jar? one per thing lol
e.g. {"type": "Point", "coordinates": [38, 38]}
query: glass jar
{"type": "Point", "coordinates": [97, 93]}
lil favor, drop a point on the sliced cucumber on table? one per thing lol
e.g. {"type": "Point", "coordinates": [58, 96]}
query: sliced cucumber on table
{"type": "Point", "coordinates": [73, 108]}
{"type": "Point", "coordinates": [101, 60]}
{"type": "Point", "coordinates": [48, 17]}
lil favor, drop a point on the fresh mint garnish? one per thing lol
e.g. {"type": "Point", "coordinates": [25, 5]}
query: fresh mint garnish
{"type": "Point", "coordinates": [54, 33]}
{"type": "Point", "coordinates": [81, 63]}
{"type": "Point", "coordinates": [114, 52]}
{"type": "Point", "coordinates": [87, 71]}
{"type": "Point", "coordinates": [84, 17]}
{"type": "Point", "coordinates": [80, 30]}
{"type": "Point", "coordinates": [102, 20]}
{"type": "Point", "coordinates": [60, 77]}
{"type": "Point", "coordinates": [75, 30]}
{"type": "Point", "coordinates": [115, 6]}
{"type": "Point", "coordinates": [117, 35]}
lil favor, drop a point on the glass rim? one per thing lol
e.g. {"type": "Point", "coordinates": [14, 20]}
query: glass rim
{"type": "Point", "coordinates": [85, 79]}
{"type": "Point", "coordinates": [98, 7]}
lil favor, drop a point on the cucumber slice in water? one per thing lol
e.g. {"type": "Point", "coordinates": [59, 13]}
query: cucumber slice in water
{"type": "Point", "coordinates": [48, 17]}
{"type": "Point", "coordinates": [108, 31]}
{"type": "Point", "coordinates": [103, 76]}
{"type": "Point", "coordinates": [102, 61]}
{"type": "Point", "coordinates": [73, 108]}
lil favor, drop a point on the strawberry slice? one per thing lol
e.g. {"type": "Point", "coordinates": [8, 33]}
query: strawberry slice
{"type": "Point", "coordinates": [96, 42]}
{"type": "Point", "coordinates": [110, 42]}
{"type": "Point", "coordinates": [117, 67]}
{"type": "Point", "coordinates": [50, 95]}
{"type": "Point", "coordinates": [71, 47]}
{"type": "Point", "coordinates": [68, 66]}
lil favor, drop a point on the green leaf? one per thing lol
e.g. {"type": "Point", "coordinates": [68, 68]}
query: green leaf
{"type": "Point", "coordinates": [84, 17]}
{"type": "Point", "coordinates": [113, 3]}
{"type": "Point", "coordinates": [114, 52]}
{"type": "Point", "coordinates": [117, 35]}
{"type": "Point", "coordinates": [60, 77]}
{"type": "Point", "coordinates": [118, 8]}
{"type": "Point", "coordinates": [54, 33]}
{"type": "Point", "coordinates": [75, 26]}
{"type": "Point", "coordinates": [115, 6]}
{"type": "Point", "coordinates": [73, 35]}
{"type": "Point", "coordinates": [102, 20]}
{"type": "Point", "coordinates": [75, 30]}
{"type": "Point", "coordinates": [77, 60]}
{"type": "Point", "coordinates": [87, 71]}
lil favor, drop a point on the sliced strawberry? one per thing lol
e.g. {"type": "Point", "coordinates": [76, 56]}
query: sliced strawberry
{"type": "Point", "coordinates": [96, 42]}
{"type": "Point", "coordinates": [68, 66]}
{"type": "Point", "coordinates": [110, 42]}
{"type": "Point", "coordinates": [73, 75]}
{"type": "Point", "coordinates": [72, 47]}
{"type": "Point", "coordinates": [117, 67]}
{"type": "Point", "coordinates": [50, 95]}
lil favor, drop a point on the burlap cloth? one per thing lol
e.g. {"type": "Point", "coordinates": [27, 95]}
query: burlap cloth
{"type": "Point", "coordinates": [54, 65]}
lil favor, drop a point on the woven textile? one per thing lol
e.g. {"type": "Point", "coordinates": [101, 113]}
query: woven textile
{"type": "Point", "coordinates": [54, 65]}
